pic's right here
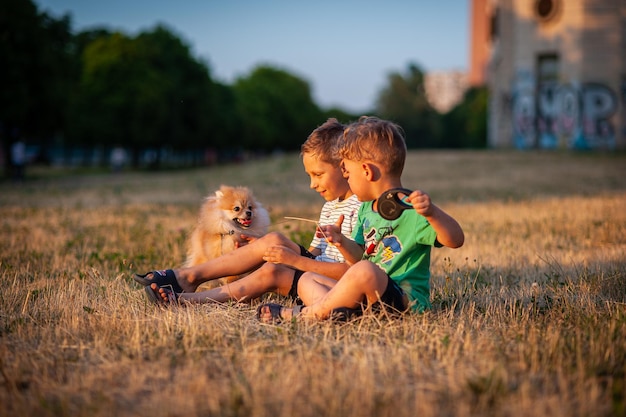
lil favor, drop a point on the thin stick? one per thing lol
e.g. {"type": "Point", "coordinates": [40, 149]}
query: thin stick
{"type": "Point", "coordinates": [26, 302]}
{"type": "Point", "coordinates": [311, 221]}
{"type": "Point", "coordinates": [300, 218]}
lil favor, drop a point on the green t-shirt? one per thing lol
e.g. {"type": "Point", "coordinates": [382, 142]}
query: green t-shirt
{"type": "Point", "coordinates": [401, 248]}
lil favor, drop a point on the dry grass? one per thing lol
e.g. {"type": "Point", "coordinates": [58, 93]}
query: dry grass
{"type": "Point", "coordinates": [529, 316]}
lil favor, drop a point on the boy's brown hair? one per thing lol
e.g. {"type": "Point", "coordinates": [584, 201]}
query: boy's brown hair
{"type": "Point", "coordinates": [321, 143]}
{"type": "Point", "coordinates": [376, 140]}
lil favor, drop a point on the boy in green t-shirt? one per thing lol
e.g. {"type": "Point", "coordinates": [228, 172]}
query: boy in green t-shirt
{"type": "Point", "coordinates": [390, 259]}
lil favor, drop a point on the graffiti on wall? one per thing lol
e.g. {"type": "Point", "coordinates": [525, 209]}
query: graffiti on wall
{"type": "Point", "coordinates": [564, 115]}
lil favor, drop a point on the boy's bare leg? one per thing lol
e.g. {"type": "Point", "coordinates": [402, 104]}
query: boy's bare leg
{"type": "Point", "coordinates": [268, 278]}
{"type": "Point", "coordinates": [363, 280]}
{"type": "Point", "coordinates": [313, 287]}
{"type": "Point", "coordinates": [239, 261]}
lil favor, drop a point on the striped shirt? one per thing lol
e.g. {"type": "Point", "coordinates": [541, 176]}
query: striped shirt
{"type": "Point", "coordinates": [329, 215]}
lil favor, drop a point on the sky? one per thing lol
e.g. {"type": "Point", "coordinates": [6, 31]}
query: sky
{"type": "Point", "coordinates": [345, 49]}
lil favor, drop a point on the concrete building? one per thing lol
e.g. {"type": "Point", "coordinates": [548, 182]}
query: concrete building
{"type": "Point", "coordinates": [445, 89]}
{"type": "Point", "coordinates": [556, 72]}
{"type": "Point", "coordinates": [480, 42]}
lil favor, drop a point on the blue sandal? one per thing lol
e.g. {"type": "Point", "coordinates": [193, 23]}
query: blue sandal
{"type": "Point", "coordinates": [164, 278]}
{"type": "Point", "coordinates": [276, 312]}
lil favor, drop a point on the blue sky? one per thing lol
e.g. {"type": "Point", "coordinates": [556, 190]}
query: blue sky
{"type": "Point", "coordinates": [344, 49]}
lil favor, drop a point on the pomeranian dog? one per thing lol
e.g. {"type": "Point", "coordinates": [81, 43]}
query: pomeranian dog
{"type": "Point", "coordinates": [224, 217]}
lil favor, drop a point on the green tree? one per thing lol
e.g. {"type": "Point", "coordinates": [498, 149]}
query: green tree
{"type": "Point", "coordinates": [465, 126]}
{"type": "Point", "coordinates": [340, 114]}
{"type": "Point", "coordinates": [146, 92]}
{"type": "Point", "coordinates": [404, 101]}
{"type": "Point", "coordinates": [191, 96]}
{"type": "Point", "coordinates": [36, 71]}
{"type": "Point", "coordinates": [276, 109]}
{"type": "Point", "coordinates": [228, 126]}
{"type": "Point", "coordinates": [112, 80]}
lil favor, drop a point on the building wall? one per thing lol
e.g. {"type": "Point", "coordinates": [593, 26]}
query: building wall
{"type": "Point", "coordinates": [445, 89]}
{"type": "Point", "coordinates": [558, 80]}
{"type": "Point", "coordinates": [479, 42]}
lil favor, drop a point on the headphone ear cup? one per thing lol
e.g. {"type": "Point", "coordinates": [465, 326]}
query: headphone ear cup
{"type": "Point", "coordinates": [390, 206]}
{"type": "Point", "coordinates": [388, 209]}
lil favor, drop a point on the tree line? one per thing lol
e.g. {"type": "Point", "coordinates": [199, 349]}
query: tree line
{"type": "Point", "coordinates": [100, 89]}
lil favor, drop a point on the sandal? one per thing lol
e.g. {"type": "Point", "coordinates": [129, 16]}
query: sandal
{"type": "Point", "coordinates": [276, 312]}
{"type": "Point", "coordinates": [155, 297]}
{"type": "Point", "coordinates": [163, 278]}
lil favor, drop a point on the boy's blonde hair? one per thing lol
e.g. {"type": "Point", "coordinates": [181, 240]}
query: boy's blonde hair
{"type": "Point", "coordinates": [322, 142]}
{"type": "Point", "coordinates": [376, 140]}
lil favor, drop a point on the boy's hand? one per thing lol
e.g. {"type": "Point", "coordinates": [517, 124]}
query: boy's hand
{"type": "Point", "coordinates": [244, 240]}
{"type": "Point", "coordinates": [449, 232]}
{"type": "Point", "coordinates": [280, 255]}
{"type": "Point", "coordinates": [332, 232]}
{"type": "Point", "coordinates": [421, 202]}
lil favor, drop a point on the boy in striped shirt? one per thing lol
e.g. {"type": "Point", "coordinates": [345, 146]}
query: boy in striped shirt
{"type": "Point", "coordinates": [274, 263]}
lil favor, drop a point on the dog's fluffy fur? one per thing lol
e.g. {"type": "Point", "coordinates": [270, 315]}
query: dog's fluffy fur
{"type": "Point", "coordinates": [224, 217]}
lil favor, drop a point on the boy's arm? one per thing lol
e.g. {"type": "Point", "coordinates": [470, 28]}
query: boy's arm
{"type": "Point", "coordinates": [314, 251]}
{"type": "Point", "coordinates": [351, 251]}
{"type": "Point", "coordinates": [449, 232]}
{"type": "Point", "coordinates": [334, 270]}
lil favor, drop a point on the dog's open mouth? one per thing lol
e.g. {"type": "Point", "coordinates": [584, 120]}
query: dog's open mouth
{"type": "Point", "coordinates": [244, 222]}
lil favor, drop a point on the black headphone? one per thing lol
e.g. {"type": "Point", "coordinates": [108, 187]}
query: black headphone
{"type": "Point", "coordinates": [390, 206]}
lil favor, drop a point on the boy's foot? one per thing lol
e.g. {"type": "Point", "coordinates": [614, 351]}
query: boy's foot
{"type": "Point", "coordinates": [161, 295]}
{"type": "Point", "coordinates": [272, 313]}
{"type": "Point", "coordinates": [165, 278]}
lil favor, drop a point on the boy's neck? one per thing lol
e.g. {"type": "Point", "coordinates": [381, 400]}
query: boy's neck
{"type": "Point", "coordinates": [381, 186]}
{"type": "Point", "coordinates": [347, 195]}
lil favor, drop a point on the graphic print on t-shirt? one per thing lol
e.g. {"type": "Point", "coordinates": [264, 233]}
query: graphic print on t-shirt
{"type": "Point", "coordinates": [383, 243]}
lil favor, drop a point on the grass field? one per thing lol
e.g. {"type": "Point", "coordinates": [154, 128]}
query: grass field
{"type": "Point", "coordinates": [529, 316]}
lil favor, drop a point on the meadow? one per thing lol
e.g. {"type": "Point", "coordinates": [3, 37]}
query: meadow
{"type": "Point", "coordinates": [528, 318]}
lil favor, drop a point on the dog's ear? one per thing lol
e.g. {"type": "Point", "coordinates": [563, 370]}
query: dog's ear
{"type": "Point", "coordinates": [219, 194]}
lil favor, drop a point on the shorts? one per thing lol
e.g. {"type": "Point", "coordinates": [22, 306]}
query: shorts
{"type": "Point", "coordinates": [393, 297]}
{"type": "Point", "coordinates": [293, 291]}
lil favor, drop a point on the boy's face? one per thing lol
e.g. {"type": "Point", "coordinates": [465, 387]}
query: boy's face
{"type": "Point", "coordinates": [326, 179]}
{"type": "Point", "coordinates": [357, 181]}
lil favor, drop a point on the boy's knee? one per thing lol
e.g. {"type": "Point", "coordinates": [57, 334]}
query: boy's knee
{"type": "Point", "coordinates": [266, 269]}
{"type": "Point", "coordinates": [269, 272]}
{"type": "Point", "coordinates": [366, 272]}
{"type": "Point", "coordinates": [274, 238]}
{"type": "Point", "coordinates": [365, 267]}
